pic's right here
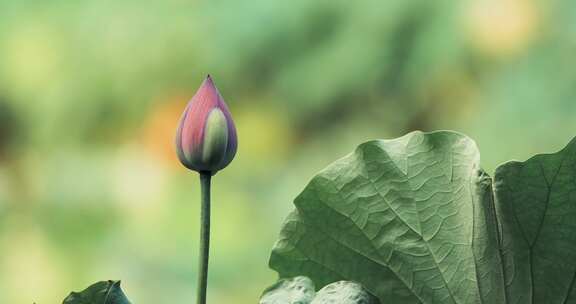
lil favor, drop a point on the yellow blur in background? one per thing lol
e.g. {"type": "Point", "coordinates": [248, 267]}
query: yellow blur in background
{"type": "Point", "coordinates": [91, 92]}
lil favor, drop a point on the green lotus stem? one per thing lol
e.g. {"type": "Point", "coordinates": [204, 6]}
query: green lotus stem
{"type": "Point", "coordinates": [203, 257]}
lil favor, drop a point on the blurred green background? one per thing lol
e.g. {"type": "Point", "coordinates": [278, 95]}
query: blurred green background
{"type": "Point", "coordinates": [91, 92]}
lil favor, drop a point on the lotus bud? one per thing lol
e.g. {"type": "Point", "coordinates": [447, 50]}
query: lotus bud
{"type": "Point", "coordinates": [206, 137]}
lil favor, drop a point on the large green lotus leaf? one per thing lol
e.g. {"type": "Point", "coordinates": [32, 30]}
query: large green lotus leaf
{"type": "Point", "coordinates": [536, 206]}
{"type": "Point", "coordinates": [105, 292]}
{"type": "Point", "coordinates": [412, 219]}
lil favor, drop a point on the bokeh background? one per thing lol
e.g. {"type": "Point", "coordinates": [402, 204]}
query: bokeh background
{"type": "Point", "coordinates": [91, 92]}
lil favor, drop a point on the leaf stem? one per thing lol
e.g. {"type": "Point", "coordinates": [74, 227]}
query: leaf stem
{"type": "Point", "coordinates": [205, 178]}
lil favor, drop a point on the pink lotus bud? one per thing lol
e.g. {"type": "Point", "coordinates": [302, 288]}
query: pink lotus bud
{"type": "Point", "coordinates": [206, 138]}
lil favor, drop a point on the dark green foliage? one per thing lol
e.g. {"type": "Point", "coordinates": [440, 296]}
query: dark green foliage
{"type": "Point", "coordinates": [104, 292]}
